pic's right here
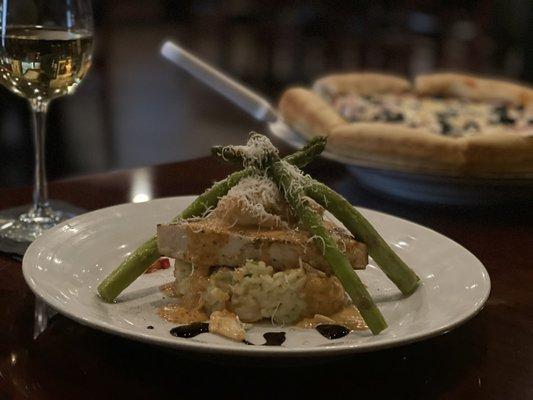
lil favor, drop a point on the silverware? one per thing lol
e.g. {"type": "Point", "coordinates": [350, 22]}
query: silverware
{"type": "Point", "coordinates": [249, 101]}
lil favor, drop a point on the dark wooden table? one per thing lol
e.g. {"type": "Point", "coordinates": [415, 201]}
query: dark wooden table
{"type": "Point", "coordinates": [489, 357]}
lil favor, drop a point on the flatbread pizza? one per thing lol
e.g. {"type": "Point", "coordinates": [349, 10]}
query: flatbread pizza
{"type": "Point", "coordinates": [450, 123]}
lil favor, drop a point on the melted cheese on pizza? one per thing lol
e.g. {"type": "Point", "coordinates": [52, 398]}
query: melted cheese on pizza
{"type": "Point", "coordinates": [444, 116]}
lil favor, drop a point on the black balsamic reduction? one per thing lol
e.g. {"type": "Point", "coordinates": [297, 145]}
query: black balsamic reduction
{"type": "Point", "coordinates": [274, 338]}
{"type": "Point", "coordinates": [194, 329]}
{"type": "Point", "coordinates": [271, 338]}
{"type": "Point", "coordinates": [191, 330]}
{"type": "Point", "coordinates": [332, 331]}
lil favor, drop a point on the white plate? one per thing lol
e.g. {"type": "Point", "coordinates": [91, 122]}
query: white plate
{"type": "Point", "coordinates": [65, 265]}
{"type": "Point", "coordinates": [430, 187]}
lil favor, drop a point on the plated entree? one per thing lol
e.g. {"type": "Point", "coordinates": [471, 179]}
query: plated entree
{"type": "Point", "coordinates": [261, 245]}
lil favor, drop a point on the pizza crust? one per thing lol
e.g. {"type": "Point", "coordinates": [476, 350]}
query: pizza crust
{"type": "Point", "coordinates": [307, 113]}
{"type": "Point", "coordinates": [399, 145]}
{"type": "Point", "coordinates": [473, 88]}
{"type": "Point", "coordinates": [365, 83]}
{"type": "Point", "coordinates": [499, 153]}
{"type": "Point", "coordinates": [416, 150]}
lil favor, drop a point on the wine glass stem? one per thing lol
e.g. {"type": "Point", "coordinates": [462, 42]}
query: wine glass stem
{"type": "Point", "coordinates": [41, 207]}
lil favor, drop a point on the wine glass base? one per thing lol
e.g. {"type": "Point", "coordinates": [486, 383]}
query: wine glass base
{"type": "Point", "coordinates": [27, 227]}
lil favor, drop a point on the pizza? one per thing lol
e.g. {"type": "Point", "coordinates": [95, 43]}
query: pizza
{"type": "Point", "coordinates": [445, 122]}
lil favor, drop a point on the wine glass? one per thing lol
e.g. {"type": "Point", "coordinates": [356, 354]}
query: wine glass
{"type": "Point", "coordinates": [45, 52]}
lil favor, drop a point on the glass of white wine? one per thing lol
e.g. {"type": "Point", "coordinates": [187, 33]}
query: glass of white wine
{"type": "Point", "coordinates": [45, 52]}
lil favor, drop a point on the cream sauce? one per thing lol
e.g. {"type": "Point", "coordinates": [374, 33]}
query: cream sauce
{"type": "Point", "coordinates": [348, 317]}
{"type": "Point", "coordinates": [177, 314]}
{"type": "Point", "coordinates": [323, 295]}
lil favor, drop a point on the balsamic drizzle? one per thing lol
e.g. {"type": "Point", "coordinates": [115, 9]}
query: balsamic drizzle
{"type": "Point", "coordinates": [196, 328]}
{"type": "Point", "coordinates": [191, 330]}
{"type": "Point", "coordinates": [331, 332]}
{"type": "Point", "coordinates": [271, 339]}
{"type": "Point", "coordinates": [274, 338]}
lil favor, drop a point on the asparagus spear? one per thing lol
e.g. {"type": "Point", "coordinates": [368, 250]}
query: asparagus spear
{"type": "Point", "coordinates": [258, 152]}
{"type": "Point", "coordinates": [390, 263]}
{"type": "Point", "coordinates": [300, 158]}
{"type": "Point", "coordinates": [293, 188]}
{"type": "Point", "coordinates": [135, 265]}
{"type": "Point", "coordinates": [312, 149]}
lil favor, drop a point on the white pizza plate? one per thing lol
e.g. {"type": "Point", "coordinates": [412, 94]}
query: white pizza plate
{"type": "Point", "coordinates": [65, 265]}
{"type": "Point", "coordinates": [427, 187]}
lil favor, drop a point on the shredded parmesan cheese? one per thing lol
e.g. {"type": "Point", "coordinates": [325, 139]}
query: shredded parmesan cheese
{"type": "Point", "coordinates": [253, 201]}
{"type": "Point", "coordinates": [256, 152]}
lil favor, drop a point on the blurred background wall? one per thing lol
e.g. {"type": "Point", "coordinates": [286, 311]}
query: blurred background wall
{"type": "Point", "coordinates": [135, 109]}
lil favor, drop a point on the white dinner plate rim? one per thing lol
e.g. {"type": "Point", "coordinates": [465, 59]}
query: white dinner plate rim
{"type": "Point", "coordinates": [248, 350]}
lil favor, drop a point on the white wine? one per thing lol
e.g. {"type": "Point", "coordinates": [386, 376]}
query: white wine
{"type": "Point", "coordinates": [40, 63]}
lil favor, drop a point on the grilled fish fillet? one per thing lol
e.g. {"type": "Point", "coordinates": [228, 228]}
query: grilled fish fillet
{"type": "Point", "coordinates": [205, 242]}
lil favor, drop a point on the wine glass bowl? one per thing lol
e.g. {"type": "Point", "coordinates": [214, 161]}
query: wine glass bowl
{"type": "Point", "coordinates": [25, 71]}
{"type": "Point", "coordinates": [45, 52]}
